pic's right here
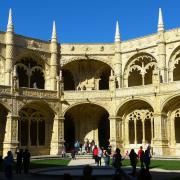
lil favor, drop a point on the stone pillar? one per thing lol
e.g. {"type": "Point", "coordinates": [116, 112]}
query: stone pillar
{"type": "Point", "coordinates": [57, 140]}
{"type": "Point", "coordinates": [152, 131]}
{"type": "Point", "coordinates": [173, 138]}
{"type": "Point", "coordinates": [143, 129]}
{"type": "Point", "coordinates": [9, 57]}
{"type": "Point", "coordinates": [11, 134]}
{"type": "Point", "coordinates": [126, 133]}
{"type": "Point", "coordinates": [54, 59]}
{"type": "Point", "coordinates": [113, 132]}
{"type": "Point", "coordinates": [162, 56]}
{"type": "Point", "coordinates": [160, 142]}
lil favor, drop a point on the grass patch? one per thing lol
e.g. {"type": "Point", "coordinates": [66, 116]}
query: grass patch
{"type": "Point", "coordinates": [48, 163]}
{"type": "Point", "coordinates": [35, 164]}
{"type": "Point", "coordinates": [162, 164]}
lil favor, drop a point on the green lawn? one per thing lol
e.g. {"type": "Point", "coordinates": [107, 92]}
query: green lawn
{"type": "Point", "coordinates": [48, 163]}
{"type": "Point", "coordinates": [44, 163]}
{"type": "Point", "coordinates": [162, 164]}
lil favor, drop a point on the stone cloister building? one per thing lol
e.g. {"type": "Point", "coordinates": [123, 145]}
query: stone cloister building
{"type": "Point", "coordinates": [126, 93]}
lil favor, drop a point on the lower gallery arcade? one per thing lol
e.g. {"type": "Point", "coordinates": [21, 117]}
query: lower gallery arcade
{"type": "Point", "coordinates": [135, 124]}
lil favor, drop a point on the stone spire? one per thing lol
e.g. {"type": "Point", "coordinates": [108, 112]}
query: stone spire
{"type": "Point", "coordinates": [54, 35]}
{"type": "Point", "coordinates": [117, 34]}
{"type": "Point", "coordinates": [10, 26]}
{"type": "Point", "coordinates": [160, 21]}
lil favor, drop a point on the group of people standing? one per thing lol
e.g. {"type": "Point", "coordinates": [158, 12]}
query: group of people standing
{"type": "Point", "coordinates": [143, 156]}
{"type": "Point", "coordinates": [22, 161]}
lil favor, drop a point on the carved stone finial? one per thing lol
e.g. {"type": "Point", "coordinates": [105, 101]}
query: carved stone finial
{"type": "Point", "coordinates": [54, 35]}
{"type": "Point", "coordinates": [160, 21]}
{"type": "Point", "coordinates": [10, 26]}
{"type": "Point", "coordinates": [117, 34]}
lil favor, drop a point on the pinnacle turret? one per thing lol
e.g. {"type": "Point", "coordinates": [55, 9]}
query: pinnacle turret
{"type": "Point", "coordinates": [54, 35]}
{"type": "Point", "coordinates": [10, 26]}
{"type": "Point", "coordinates": [117, 34]}
{"type": "Point", "coordinates": [160, 21]}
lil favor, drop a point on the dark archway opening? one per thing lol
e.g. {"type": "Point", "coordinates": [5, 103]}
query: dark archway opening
{"type": "Point", "coordinates": [177, 129]}
{"type": "Point", "coordinates": [69, 132]}
{"type": "Point", "coordinates": [139, 131]}
{"type": "Point", "coordinates": [131, 132]}
{"type": "Point", "coordinates": [68, 80]}
{"type": "Point", "coordinates": [176, 74]}
{"type": "Point", "coordinates": [104, 80]}
{"type": "Point", "coordinates": [104, 130]}
{"type": "Point", "coordinates": [38, 78]}
{"type": "Point", "coordinates": [135, 78]}
{"type": "Point", "coordinates": [148, 130]}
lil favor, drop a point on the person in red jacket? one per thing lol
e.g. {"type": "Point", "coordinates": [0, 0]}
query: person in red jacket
{"type": "Point", "coordinates": [95, 154]}
{"type": "Point", "coordinates": [141, 156]}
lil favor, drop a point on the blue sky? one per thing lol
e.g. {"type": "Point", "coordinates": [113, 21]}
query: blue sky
{"type": "Point", "coordinates": [88, 21]}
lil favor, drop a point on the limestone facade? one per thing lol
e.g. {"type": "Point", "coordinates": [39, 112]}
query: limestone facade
{"type": "Point", "coordinates": [126, 93]}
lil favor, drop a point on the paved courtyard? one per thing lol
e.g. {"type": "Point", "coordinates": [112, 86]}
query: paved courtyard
{"type": "Point", "coordinates": [75, 168]}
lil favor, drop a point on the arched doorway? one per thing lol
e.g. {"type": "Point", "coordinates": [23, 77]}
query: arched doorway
{"type": "Point", "coordinates": [139, 123]}
{"type": "Point", "coordinates": [35, 128]}
{"type": "Point", "coordinates": [86, 122]}
{"type": "Point", "coordinates": [3, 118]}
{"type": "Point", "coordinates": [86, 75]}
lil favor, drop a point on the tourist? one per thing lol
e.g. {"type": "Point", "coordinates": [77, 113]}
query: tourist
{"type": "Point", "coordinates": [63, 152]}
{"type": "Point", "coordinates": [73, 153]}
{"type": "Point", "coordinates": [117, 161]}
{"type": "Point", "coordinates": [95, 154]}
{"type": "Point", "coordinates": [100, 155]}
{"type": "Point", "coordinates": [76, 146]}
{"type": "Point", "coordinates": [107, 154]}
{"type": "Point", "coordinates": [141, 156]}
{"type": "Point", "coordinates": [87, 173]}
{"type": "Point", "coordinates": [133, 159]}
{"type": "Point", "coordinates": [19, 160]}
{"type": "Point", "coordinates": [8, 163]}
{"type": "Point", "coordinates": [147, 159]}
{"type": "Point", "coordinates": [26, 160]}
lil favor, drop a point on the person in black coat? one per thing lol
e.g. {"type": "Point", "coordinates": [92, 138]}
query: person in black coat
{"type": "Point", "coordinates": [19, 161]}
{"type": "Point", "coordinates": [133, 159]}
{"type": "Point", "coordinates": [26, 160]}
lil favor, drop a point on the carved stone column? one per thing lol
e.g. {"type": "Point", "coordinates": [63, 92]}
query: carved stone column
{"type": "Point", "coordinates": [173, 138]}
{"type": "Point", "coordinates": [126, 133]}
{"type": "Point", "coordinates": [57, 140]}
{"type": "Point", "coordinates": [11, 134]}
{"type": "Point", "coordinates": [143, 129]}
{"type": "Point", "coordinates": [160, 142]}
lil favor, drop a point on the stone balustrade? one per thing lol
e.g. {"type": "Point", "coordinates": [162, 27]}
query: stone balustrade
{"type": "Point", "coordinates": [41, 93]}
{"type": "Point", "coordinates": [96, 94]}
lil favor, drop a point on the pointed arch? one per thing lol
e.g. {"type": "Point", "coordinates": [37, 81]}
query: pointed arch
{"type": "Point", "coordinates": [139, 69]}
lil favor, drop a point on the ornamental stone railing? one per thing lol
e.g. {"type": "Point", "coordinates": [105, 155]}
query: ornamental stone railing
{"type": "Point", "coordinates": [41, 93]}
{"type": "Point", "coordinates": [94, 94]}
{"type": "Point", "coordinates": [163, 88]}
{"type": "Point", "coordinates": [5, 90]}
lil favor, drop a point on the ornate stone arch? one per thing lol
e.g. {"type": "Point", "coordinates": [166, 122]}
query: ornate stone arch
{"type": "Point", "coordinates": [86, 73]}
{"type": "Point", "coordinates": [29, 66]}
{"type": "Point", "coordinates": [174, 65]}
{"type": "Point", "coordinates": [79, 103]}
{"type": "Point", "coordinates": [142, 65]}
{"type": "Point", "coordinates": [131, 101]}
{"type": "Point", "coordinates": [65, 60]}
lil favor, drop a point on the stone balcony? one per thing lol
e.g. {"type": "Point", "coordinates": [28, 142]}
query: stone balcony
{"type": "Point", "coordinates": [165, 88]}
